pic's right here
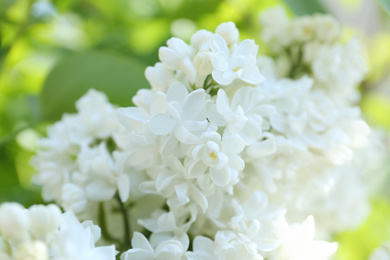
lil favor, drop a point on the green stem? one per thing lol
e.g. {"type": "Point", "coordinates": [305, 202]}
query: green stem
{"type": "Point", "coordinates": [102, 223]}
{"type": "Point", "coordinates": [126, 222]}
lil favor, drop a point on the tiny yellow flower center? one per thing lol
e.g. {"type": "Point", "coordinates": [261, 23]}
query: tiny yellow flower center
{"type": "Point", "coordinates": [237, 69]}
{"type": "Point", "coordinates": [213, 155]}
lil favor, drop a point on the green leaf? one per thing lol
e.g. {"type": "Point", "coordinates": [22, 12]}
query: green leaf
{"type": "Point", "coordinates": [193, 9]}
{"type": "Point", "coordinates": [358, 244]}
{"type": "Point", "coordinates": [386, 5]}
{"type": "Point", "coordinates": [305, 7]}
{"type": "Point", "coordinates": [376, 107]}
{"type": "Point", "coordinates": [119, 77]}
{"type": "Point", "coordinates": [5, 5]}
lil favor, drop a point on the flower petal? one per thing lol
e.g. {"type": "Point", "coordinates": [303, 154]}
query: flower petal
{"type": "Point", "coordinates": [221, 177]}
{"type": "Point", "coordinates": [162, 124]}
{"type": "Point", "coordinates": [218, 44]}
{"type": "Point", "coordinates": [177, 92]}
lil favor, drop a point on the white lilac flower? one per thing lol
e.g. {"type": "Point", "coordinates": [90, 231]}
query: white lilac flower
{"type": "Point", "coordinates": [226, 246]}
{"type": "Point", "coordinates": [177, 56]}
{"type": "Point", "coordinates": [219, 157]}
{"type": "Point", "coordinates": [228, 32]}
{"type": "Point", "coordinates": [223, 154]}
{"type": "Point", "coordinates": [244, 115]}
{"type": "Point", "coordinates": [172, 248]}
{"type": "Point", "coordinates": [311, 45]}
{"type": "Point", "coordinates": [237, 63]}
{"type": "Point", "coordinates": [42, 233]}
{"type": "Point", "coordinates": [183, 114]}
{"type": "Point", "coordinates": [101, 176]}
{"type": "Point", "coordinates": [97, 115]}
{"type": "Point", "coordinates": [160, 77]}
{"type": "Point", "coordinates": [171, 183]}
{"type": "Point", "coordinates": [73, 198]}
{"type": "Point", "coordinates": [178, 112]}
{"type": "Point", "coordinates": [276, 28]}
{"type": "Point", "coordinates": [297, 242]}
{"type": "Point", "coordinates": [75, 164]}
{"type": "Point", "coordinates": [340, 67]}
{"type": "Point", "coordinates": [14, 221]}
{"type": "Point", "coordinates": [55, 161]}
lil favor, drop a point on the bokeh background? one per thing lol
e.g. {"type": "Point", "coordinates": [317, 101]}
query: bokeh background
{"type": "Point", "coordinates": [51, 52]}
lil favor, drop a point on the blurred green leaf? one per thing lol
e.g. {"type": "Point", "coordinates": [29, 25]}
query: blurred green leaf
{"type": "Point", "coordinates": [117, 76]}
{"type": "Point", "coordinates": [10, 188]}
{"type": "Point", "coordinates": [386, 5]}
{"type": "Point", "coordinates": [304, 7]}
{"type": "Point", "coordinates": [193, 9]}
{"type": "Point", "coordinates": [4, 5]}
{"type": "Point", "coordinates": [376, 108]}
{"type": "Point", "coordinates": [360, 243]}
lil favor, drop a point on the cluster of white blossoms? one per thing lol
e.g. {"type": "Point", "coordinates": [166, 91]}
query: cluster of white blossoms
{"type": "Point", "coordinates": [79, 162]}
{"type": "Point", "coordinates": [43, 233]}
{"type": "Point", "coordinates": [311, 45]}
{"type": "Point", "coordinates": [242, 152]}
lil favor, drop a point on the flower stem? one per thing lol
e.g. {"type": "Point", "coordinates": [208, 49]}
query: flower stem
{"type": "Point", "coordinates": [103, 226]}
{"type": "Point", "coordinates": [126, 222]}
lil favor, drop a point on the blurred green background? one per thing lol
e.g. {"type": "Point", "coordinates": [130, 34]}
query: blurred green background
{"type": "Point", "coordinates": [51, 52]}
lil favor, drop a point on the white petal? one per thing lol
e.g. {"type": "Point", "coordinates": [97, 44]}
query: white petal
{"type": "Point", "coordinates": [200, 198]}
{"type": "Point", "coordinates": [123, 183]}
{"type": "Point", "coordinates": [181, 193]}
{"type": "Point", "coordinates": [138, 254]}
{"type": "Point", "coordinates": [186, 137]}
{"type": "Point", "coordinates": [163, 181]}
{"type": "Point", "coordinates": [252, 77]}
{"type": "Point", "coordinates": [236, 163]}
{"type": "Point", "coordinates": [170, 250]}
{"type": "Point", "coordinates": [177, 92]}
{"type": "Point", "coordinates": [278, 122]}
{"type": "Point", "coordinates": [162, 124]}
{"type": "Point", "coordinates": [101, 253]}
{"type": "Point", "coordinates": [256, 203]}
{"type": "Point", "coordinates": [133, 117]}
{"type": "Point", "coordinates": [230, 75]}
{"type": "Point", "coordinates": [298, 123]}
{"type": "Point", "coordinates": [215, 117]}
{"type": "Point", "coordinates": [232, 144]}
{"type": "Point", "coordinates": [218, 44]}
{"type": "Point", "coordinates": [219, 77]}
{"type": "Point", "coordinates": [192, 125]}
{"type": "Point", "coordinates": [221, 177]}
{"type": "Point", "coordinates": [179, 46]}
{"type": "Point", "coordinates": [243, 97]}
{"type": "Point", "coordinates": [237, 62]}
{"type": "Point", "coordinates": [260, 149]}
{"type": "Point", "coordinates": [188, 68]}
{"type": "Point", "coordinates": [169, 57]}
{"type": "Point", "coordinates": [194, 104]}
{"type": "Point", "coordinates": [139, 157]}
{"type": "Point", "coordinates": [247, 48]}
{"type": "Point", "coordinates": [140, 241]}
{"type": "Point", "coordinates": [228, 31]}
{"type": "Point", "coordinates": [220, 61]}
{"type": "Point", "coordinates": [203, 244]}
{"type": "Point", "coordinates": [100, 190]}
{"type": "Point", "coordinates": [222, 103]}
{"type": "Point", "coordinates": [159, 103]}
{"type": "Point", "coordinates": [196, 169]}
